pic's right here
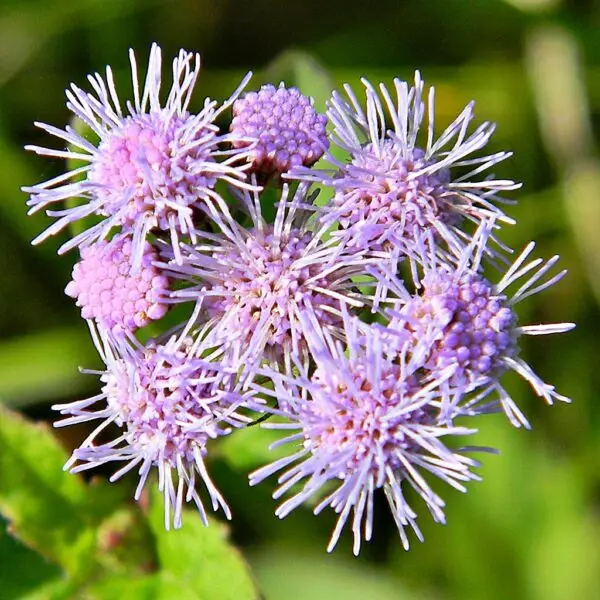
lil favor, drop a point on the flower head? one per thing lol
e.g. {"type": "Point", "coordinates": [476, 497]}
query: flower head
{"type": "Point", "coordinates": [399, 182]}
{"type": "Point", "coordinates": [109, 291]}
{"type": "Point", "coordinates": [288, 131]}
{"type": "Point", "coordinates": [254, 283]}
{"type": "Point", "coordinates": [364, 420]}
{"type": "Point", "coordinates": [473, 324]}
{"type": "Point", "coordinates": [477, 326]}
{"type": "Point", "coordinates": [153, 165]}
{"type": "Point", "coordinates": [167, 404]}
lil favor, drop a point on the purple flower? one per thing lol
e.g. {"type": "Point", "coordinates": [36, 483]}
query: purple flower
{"type": "Point", "coordinates": [153, 165]}
{"type": "Point", "coordinates": [167, 404]}
{"type": "Point", "coordinates": [473, 324]}
{"type": "Point", "coordinates": [399, 182]}
{"type": "Point", "coordinates": [288, 131]}
{"type": "Point", "coordinates": [108, 291]}
{"type": "Point", "coordinates": [254, 284]}
{"type": "Point", "coordinates": [365, 419]}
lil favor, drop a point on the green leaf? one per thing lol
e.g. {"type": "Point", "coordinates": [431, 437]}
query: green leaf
{"type": "Point", "coordinates": [36, 496]}
{"type": "Point", "coordinates": [21, 569]}
{"type": "Point", "coordinates": [125, 544]}
{"type": "Point", "coordinates": [132, 588]}
{"type": "Point", "coordinates": [58, 589]}
{"type": "Point", "coordinates": [199, 562]}
{"type": "Point", "coordinates": [51, 511]}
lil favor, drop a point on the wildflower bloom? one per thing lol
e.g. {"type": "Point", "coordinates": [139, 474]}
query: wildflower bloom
{"type": "Point", "coordinates": [109, 291]}
{"type": "Point", "coordinates": [399, 182]}
{"type": "Point", "coordinates": [474, 324]}
{"type": "Point", "coordinates": [168, 405]}
{"type": "Point", "coordinates": [153, 164]}
{"type": "Point", "coordinates": [172, 212]}
{"type": "Point", "coordinates": [364, 420]}
{"type": "Point", "coordinates": [288, 130]}
{"type": "Point", "coordinates": [254, 283]}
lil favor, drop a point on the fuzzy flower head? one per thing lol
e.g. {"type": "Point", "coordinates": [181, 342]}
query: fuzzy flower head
{"type": "Point", "coordinates": [479, 325]}
{"type": "Point", "coordinates": [288, 131]}
{"type": "Point", "coordinates": [168, 405]}
{"type": "Point", "coordinates": [364, 421]}
{"type": "Point", "coordinates": [398, 182]}
{"type": "Point", "coordinates": [153, 164]}
{"type": "Point", "coordinates": [110, 292]}
{"type": "Point", "coordinates": [473, 324]}
{"type": "Point", "coordinates": [254, 283]}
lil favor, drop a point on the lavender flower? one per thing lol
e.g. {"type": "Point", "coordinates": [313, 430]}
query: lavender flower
{"type": "Point", "coordinates": [108, 291]}
{"type": "Point", "coordinates": [288, 131]}
{"type": "Point", "coordinates": [254, 284]}
{"type": "Point", "coordinates": [153, 166]}
{"type": "Point", "coordinates": [366, 406]}
{"type": "Point", "coordinates": [168, 404]}
{"type": "Point", "coordinates": [399, 182]}
{"type": "Point", "coordinates": [362, 421]}
{"type": "Point", "coordinates": [474, 324]}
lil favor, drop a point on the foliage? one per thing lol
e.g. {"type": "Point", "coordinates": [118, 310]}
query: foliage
{"type": "Point", "coordinates": [99, 543]}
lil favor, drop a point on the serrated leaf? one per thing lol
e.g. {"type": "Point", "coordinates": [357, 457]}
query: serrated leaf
{"type": "Point", "coordinates": [198, 562]}
{"type": "Point", "coordinates": [36, 496]}
{"type": "Point", "coordinates": [51, 511]}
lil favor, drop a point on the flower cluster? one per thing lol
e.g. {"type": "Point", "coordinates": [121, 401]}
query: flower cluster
{"type": "Point", "coordinates": [369, 327]}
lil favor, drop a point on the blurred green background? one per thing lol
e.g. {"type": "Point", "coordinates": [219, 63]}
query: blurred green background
{"type": "Point", "coordinates": [531, 529]}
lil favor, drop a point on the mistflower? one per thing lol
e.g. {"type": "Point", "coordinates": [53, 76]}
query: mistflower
{"type": "Point", "coordinates": [473, 323]}
{"type": "Point", "coordinates": [109, 291]}
{"type": "Point", "coordinates": [398, 181]}
{"type": "Point", "coordinates": [254, 283]}
{"type": "Point", "coordinates": [288, 130]}
{"type": "Point", "coordinates": [364, 421]}
{"type": "Point", "coordinates": [153, 164]}
{"type": "Point", "coordinates": [167, 405]}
